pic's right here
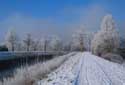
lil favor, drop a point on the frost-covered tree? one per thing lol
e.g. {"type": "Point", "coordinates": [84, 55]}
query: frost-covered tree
{"type": "Point", "coordinates": [107, 39]}
{"type": "Point", "coordinates": [28, 42]}
{"type": "Point", "coordinates": [56, 44]}
{"type": "Point", "coordinates": [11, 40]}
{"type": "Point", "coordinates": [41, 44]}
{"type": "Point", "coordinates": [44, 44]}
{"type": "Point", "coordinates": [36, 45]}
{"type": "Point", "coordinates": [67, 46]}
{"type": "Point", "coordinates": [81, 40]}
{"type": "Point", "coordinates": [19, 46]}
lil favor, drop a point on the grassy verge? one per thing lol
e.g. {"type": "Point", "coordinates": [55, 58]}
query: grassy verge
{"type": "Point", "coordinates": [28, 75]}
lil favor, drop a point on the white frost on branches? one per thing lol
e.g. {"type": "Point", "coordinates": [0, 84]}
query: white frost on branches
{"type": "Point", "coordinates": [56, 43]}
{"type": "Point", "coordinates": [81, 39]}
{"type": "Point", "coordinates": [107, 39]}
{"type": "Point", "coordinates": [43, 44]}
{"type": "Point", "coordinates": [11, 40]}
{"type": "Point", "coordinates": [28, 42]}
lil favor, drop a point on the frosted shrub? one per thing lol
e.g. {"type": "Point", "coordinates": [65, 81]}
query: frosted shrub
{"type": "Point", "coordinates": [113, 57]}
{"type": "Point", "coordinates": [107, 39]}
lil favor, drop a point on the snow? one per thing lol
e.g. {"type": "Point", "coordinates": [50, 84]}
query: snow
{"type": "Point", "coordinates": [64, 75]}
{"type": "Point", "coordinates": [86, 69]}
{"type": "Point", "coordinates": [98, 71]}
{"type": "Point", "coordinates": [106, 40]}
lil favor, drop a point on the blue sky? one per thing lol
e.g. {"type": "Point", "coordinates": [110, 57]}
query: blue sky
{"type": "Point", "coordinates": [57, 17]}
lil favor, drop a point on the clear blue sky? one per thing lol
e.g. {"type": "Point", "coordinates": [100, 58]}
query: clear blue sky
{"type": "Point", "coordinates": [61, 15]}
{"type": "Point", "coordinates": [45, 8]}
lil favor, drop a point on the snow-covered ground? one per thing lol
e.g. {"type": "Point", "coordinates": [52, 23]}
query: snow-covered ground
{"type": "Point", "coordinates": [86, 69]}
{"type": "Point", "coordinates": [65, 74]}
{"type": "Point", "coordinates": [29, 74]}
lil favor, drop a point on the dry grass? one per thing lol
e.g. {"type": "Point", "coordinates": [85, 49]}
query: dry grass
{"type": "Point", "coordinates": [28, 75]}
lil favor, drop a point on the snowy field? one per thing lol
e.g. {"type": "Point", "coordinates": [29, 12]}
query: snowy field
{"type": "Point", "coordinates": [86, 69]}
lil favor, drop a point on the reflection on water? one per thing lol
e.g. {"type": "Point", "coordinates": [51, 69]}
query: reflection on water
{"type": "Point", "coordinates": [9, 62]}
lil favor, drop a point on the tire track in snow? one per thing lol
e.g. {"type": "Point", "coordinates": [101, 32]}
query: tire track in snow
{"type": "Point", "coordinates": [87, 69]}
{"type": "Point", "coordinates": [78, 71]}
{"type": "Point", "coordinates": [110, 82]}
{"type": "Point", "coordinates": [64, 74]}
{"type": "Point", "coordinates": [114, 71]}
{"type": "Point", "coordinates": [97, 71]}
{"type": "Point", "coordinates": [92, 74]}
{"type": "Point", "coordinates": [78, 78]}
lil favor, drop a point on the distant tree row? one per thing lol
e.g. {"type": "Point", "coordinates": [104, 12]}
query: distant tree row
{"type": "Point", "coordinates": [80, 41]}
{"type": "Point", "coordinates": [106, 40]}
{"type": "Point", "coordinates": [13, 43]}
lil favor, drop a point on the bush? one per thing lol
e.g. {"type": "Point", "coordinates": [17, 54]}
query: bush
{"type": "Point", "coordinates": [113, 57]}
{"type": "Point", "coordinates": [122, 52]}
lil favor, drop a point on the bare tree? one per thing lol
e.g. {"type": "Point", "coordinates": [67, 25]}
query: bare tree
{"type": "Point", "coordinates": [67, 46]}
{"type": "Point", "coordinates": [56, 43]}
{"type": "Point", "coordinates": [81, 40]}
{"type": "Point", "coordinates": [44, 44]}
{"type": "Point", "coordinates": [107, 39]}
{"type": "Point", "coordinates": [11, 40]}
{"type": "Point", "coordinates": [28, 42]}
{"type": "Point", "coordinates": [36, 45]}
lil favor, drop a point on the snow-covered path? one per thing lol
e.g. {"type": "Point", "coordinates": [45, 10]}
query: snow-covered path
{"type": "Point", "coordinates": [97, 71]}
{"type": "Point", "coordinates": [86, 69]}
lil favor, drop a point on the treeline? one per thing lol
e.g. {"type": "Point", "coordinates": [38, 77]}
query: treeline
{"type": "Point", "coordinates": [80, 41]}
{"type": "Point", "coordinates": [106, 40]}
